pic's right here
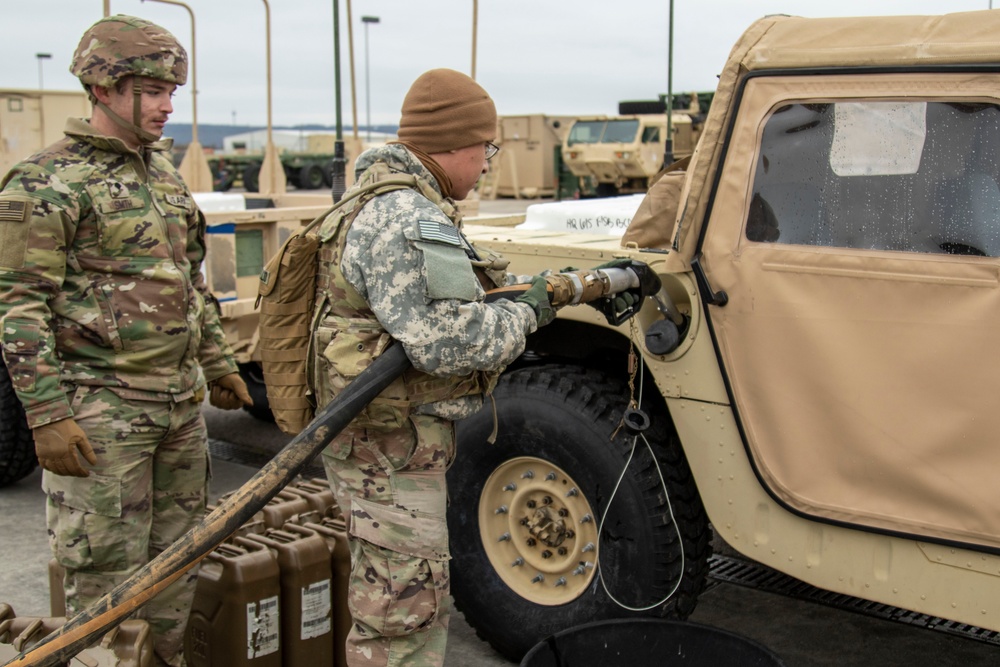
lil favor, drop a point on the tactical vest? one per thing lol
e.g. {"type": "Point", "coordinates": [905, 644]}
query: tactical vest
{"type": "Point", "coordinates": [347, 337]}
{"type": "Point", "coordinates": [285, 296]}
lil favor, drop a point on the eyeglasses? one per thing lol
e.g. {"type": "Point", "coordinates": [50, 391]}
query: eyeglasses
{"type": "Point", "coordinates": [491, 150]}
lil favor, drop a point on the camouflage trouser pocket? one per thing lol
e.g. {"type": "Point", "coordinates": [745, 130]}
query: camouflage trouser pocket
{"type": "Point", "coordinates": [399, 577]}
{"type": "Point", "coordinates": [84, 521]}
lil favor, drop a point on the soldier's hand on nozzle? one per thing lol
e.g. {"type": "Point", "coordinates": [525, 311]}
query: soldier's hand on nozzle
{"type": "Point", "coordinates": [56, 445]}
{"type": "Point", "coordinates": [537, 296]}
{"type": "Point", "coordinates": [229, 392]}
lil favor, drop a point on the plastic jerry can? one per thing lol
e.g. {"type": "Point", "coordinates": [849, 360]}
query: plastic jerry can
{"type": "Point", "coordinates": [318, 494]}
{"type": "Point", "coordinates": [334, 532]}
{"type": "Point", "coordinates": [57, 590]}
{"type": "Point", "coordinates": [306, 616]}
{"type": "Point", "coordinates": [236, 615]}
{"type": "Point", "coordinates": [283, 507]}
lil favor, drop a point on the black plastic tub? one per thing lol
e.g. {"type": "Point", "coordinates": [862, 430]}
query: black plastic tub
{"type": "Point", "coordinates": [648, 643]}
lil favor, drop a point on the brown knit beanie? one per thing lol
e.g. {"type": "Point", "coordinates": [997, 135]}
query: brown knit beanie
{"type": "Point", "coordinates": [445, 110]}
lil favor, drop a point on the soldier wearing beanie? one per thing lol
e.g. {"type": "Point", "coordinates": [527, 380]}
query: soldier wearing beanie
{"type": "Point", "coordinates": [395, 269]}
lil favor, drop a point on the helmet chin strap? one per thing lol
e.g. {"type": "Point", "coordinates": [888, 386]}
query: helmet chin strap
{"type": "Point", "coordinates": [135, 127]}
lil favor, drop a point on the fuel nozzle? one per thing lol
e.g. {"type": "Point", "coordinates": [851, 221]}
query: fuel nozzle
{"type": "Point", "coordinates": [618, 292]}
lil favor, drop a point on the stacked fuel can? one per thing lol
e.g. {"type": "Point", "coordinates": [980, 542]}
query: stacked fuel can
{"type": "Point", "coordinates": [275, 593]}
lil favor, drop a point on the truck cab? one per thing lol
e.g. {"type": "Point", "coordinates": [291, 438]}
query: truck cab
{"type": "Point", "coordinates": [817, 375]}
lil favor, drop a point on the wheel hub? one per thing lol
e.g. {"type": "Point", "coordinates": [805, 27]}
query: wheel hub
{"type": "Point", "coordinates": [538, 531]}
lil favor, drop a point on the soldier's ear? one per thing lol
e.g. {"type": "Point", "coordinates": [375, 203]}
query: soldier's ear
{"type": "Point", "coordinates": [102, 93]}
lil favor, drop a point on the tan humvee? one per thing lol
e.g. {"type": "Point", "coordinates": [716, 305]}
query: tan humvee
{"type": "Point", "coordinates": [819, 379]}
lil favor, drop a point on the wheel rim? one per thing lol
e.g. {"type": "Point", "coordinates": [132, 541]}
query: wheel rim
{"type": "Point", "coordinates": [538, 531]}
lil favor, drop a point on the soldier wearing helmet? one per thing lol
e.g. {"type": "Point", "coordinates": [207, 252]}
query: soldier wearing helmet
{"type": "Point", "coordinates": [108, 331]}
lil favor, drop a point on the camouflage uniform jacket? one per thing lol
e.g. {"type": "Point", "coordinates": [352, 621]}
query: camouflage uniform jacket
{"type": "Point", "coordinates": [400, 269]}
{"type": "Point", "coordinates": [100, 276]}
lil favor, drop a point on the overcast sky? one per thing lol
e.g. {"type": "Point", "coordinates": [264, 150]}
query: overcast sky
{"type": "Point", "coordinates": [558, 57]}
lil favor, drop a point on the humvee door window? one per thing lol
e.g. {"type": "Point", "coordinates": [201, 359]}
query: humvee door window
{"type": "Point", "coordinates": [902, 176]}
{"type": "Point", "coordinates": [651, 135]}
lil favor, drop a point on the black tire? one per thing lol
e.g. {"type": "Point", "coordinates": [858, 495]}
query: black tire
{"type": "Point", "coordinates": [17, 448]}
{"type": "Point", "coordinates": [251, 177]}
{"type": "Point", "coordinates": [635, 107]}
{"type": "Point", "coordinates": [565, 416]}
{"type": "Point", "coordinates": [254, 377]}
{"type": "Point", "coordinates": [310, 177]}
{"type": "Point", "coordinates": [607, 190]}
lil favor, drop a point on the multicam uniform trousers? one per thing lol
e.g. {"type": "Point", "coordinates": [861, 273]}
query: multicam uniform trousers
{"type": "Point", "coordinates": [147, 489]}
{"type": "Point", "coordinates": [390, 484]}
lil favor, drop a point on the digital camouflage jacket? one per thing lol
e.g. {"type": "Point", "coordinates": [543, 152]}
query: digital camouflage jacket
{"type": "Point", "coordinates": [100, 276]}
{"type": "Point", "coordinates": [403, 271]}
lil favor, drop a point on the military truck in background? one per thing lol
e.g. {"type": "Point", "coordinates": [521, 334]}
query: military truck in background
{"type": "Point", "coordinates": [612, 155]}
{"type": "Point", "coordinates": [529, 164]}
{"type": "Point", "coordinates": [817, 380]}
{"type": "Point", "coordinates": [310, 169]}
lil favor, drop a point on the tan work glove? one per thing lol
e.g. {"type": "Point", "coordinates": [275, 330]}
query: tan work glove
{"type": "Point", "coordinates": [56, 444]}
{"type": "Point", "coordinates": [229, 392]}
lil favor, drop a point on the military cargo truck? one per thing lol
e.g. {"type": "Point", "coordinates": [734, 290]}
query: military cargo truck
{"type": "Point", "coordinates": [818, 379]}
{"type": "Point", "coordinates": [613, 155]}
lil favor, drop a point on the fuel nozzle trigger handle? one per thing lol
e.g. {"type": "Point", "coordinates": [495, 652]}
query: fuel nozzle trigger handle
{"type": "Point", "coordinates": [622, 305]}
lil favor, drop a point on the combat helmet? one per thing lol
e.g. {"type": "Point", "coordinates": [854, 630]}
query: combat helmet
{"type": "Point", "coordinates": [121, 46]}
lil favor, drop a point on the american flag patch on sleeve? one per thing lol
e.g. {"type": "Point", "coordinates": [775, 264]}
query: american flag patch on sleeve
{"type": "Point", "coordinates": [438, 231]}
{"type": "Point", "coordinates": [12, 211]}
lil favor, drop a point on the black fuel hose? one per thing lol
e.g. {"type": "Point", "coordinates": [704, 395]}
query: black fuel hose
{"type": "Point", "coordinates": [82, 630]}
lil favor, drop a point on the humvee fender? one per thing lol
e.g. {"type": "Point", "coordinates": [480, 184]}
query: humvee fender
{"type": "Point", "coordinates": [835, 255]}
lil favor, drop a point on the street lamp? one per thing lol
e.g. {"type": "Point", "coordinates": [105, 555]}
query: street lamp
{"type": "Point", "coordinates": [368, 98]}
{"type": "Point", "coordinates": [41, 57]}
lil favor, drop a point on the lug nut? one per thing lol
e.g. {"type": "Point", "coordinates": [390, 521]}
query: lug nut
{"type": "Point", "coordinates": [501, 510]}
{"type": "Point", "coordinates": [551, 476]}
{"type": "Point", "coordinates": [562, 551]}
{"type": "Point", "coordinates": [510, 487]}
{"type": "Point", "coordinates": [563, 512]}
{"type": "Point", "coordinates": [504, 538]}
{"type": "Point", "coordinates": [538, 579]}
{"type": "Point", "coordinates": [546, 554]}
{"type": "Point", "coordinates": [528, 475]}
{"type": "Point", "coordinates": [531, 504]}
{"type": "Point", "coordinates": [586, 518]}
{"type": "Point", "coordinates": [517, 563]}
{"type": "Point", "coordinates": [530, 541]}
{"type": "Point", "coordinates": [547, 500]}
{"type": "Point", "coordinates": [572, 492]}
{"type": "Point", "coordinates": [561, 582]}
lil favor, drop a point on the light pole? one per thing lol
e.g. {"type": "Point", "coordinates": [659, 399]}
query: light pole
{"type": "Point", "coordinates": [668, 147]}
{"type": "Point", "coordinates": [368, 97]}
{"type": "Point", "coordinates": [41, 57]}
{"type": "Point", "coordinates": [194, 166]}
{"type": "Point", "coordinates": [338, 182]}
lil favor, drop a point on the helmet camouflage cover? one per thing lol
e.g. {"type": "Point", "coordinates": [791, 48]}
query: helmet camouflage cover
{"type": "Point", "coordinates": [119, 46]}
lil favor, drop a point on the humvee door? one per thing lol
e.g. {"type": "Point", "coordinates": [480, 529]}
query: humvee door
{"type": "Point", "coordinates": [856, 232]}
